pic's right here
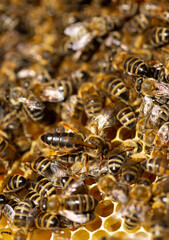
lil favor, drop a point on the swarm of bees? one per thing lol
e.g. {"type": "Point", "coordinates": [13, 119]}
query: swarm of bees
{"type": "Point", "coordinates": [84, 118]}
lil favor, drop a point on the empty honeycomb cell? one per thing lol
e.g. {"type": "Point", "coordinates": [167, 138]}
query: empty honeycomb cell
{"type": "Point", "coordinates": [125, 133]}
{"type": "Point", "coordinates": [41, 234]}
{"type": "Point", "coordinates": [3, 222]}
{"type": "Point", "coordinates": [81, 235]}
{"type": "Point", "coordinates": [94, 225]}
{"type": "Point", "coordinates": [104, 208]}
{"type": "Point", "coordinates": [112, 224]}
{"type": "Point", "coordinates": [121, 235]}
{"type": "Point", "coordinates": [99, 234]}
{"type": "Point", "coordinates": [63, 234]}
{"type": "Point", "coordinates": [94, 191]}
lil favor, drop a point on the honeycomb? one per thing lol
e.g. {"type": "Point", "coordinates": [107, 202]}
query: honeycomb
{"type": "Point", "coordinates": [84, 98]}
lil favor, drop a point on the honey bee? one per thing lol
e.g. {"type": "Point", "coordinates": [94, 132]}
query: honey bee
{"type": "Point", "coordinates": [164, 16]}
{"type": "Point", "coordinates": [151, 9]}
{"type": "Point", "coordinates": [30, 103]}
{"type": "Point", "coordinates": [91, 99]}
{"type": "Point", "coordinates": [118, 156]}
{"type": "Point", "coordinates": [148, 139]}
{"type": "Point", "coordinates": [150, 87]}
{"type": "Point", "coordinates": [33, 196]}
{"type": "Point", "coordinates": [72, 186]}
{"type": "Point", "coordinates": [15, 182]}
{"type": "Point", "coordinates": [157, 71]}
{"type": "Point", "coordinates": [43, 186]}
{"type": "Point", "coordinates": [140, 128]}
{"type": "Point", "coordinates": [71, 157]}
{"type": "Point", "coordinates": [157, 37]}
{"type": "Point", "coordinates": [112, 85]}
{"type": "Point", "coordinates": [127, 118]}
{"type": "Point", "coordinates": [127, 8]}
{"type": "Point", "coordinates": [135, 66]}
{"type": "Point", "coordinates": [130, 172]}
{"type": "Point", "coordinates": [137, 24]}
{"type": "Point", "coordinates": [135, 214]}
{"type": "Point", "coordinates": [73, 108]}
{"type": "Point", "coordinates": [7, 151]}
{"type": "Point", "coordinates": [47, 221]}
{"type": "Point", "coordinates": [162, 137]}
{"type": "Point", "coordinates": [11, 120]}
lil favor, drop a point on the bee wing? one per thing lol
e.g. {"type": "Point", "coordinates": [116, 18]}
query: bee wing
{"type": "Point", "coordinates": [74, 29]}
{"type": "Point", "coordinates": [162, 90]}
{"type": "Point", "coordinates": [59, 170]}
{"type": "Point", "coordinates": [76, 217]}
{"type": "Point", "coordinates": [35, 104]}
{"type": "Point", "coordinates": [77, 187]}
{"type": "Point", "coordinates": [82, 42]}
{"type": "Point", "coordinates": [9, 212]}
{"type": "Point", "coordinates": [52, 94]}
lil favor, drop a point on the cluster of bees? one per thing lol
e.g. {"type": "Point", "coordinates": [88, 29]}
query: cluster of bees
{"type": "Point", "coordinates": [84, 99]}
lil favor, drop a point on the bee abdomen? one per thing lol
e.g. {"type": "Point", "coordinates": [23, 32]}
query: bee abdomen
{"type": "Point", "coordinates": [131, 222]}
{"type": "Point", "coordinates": [34, 197]}
{"type": "Point", "coordinates": [43, 187]}
{"type": "Point", "coordinates": [46, 221]}
{"type": "Point", "coordinates": [16, 182]}
{"type": "Point", "coordinates": [127, 117]}
{"type": "Point", "coordinates": [115, 162]}
{"type": "Point", "coordinates": [93, 105]}
{"type": "Point", "coordinates": [159, 36]}
{"type": "Point", "coordinates": [41, 164]}
{"type": "Point", "coordinates": [135, 66]}
{"type": "Point", "coordinates": [131, 173]}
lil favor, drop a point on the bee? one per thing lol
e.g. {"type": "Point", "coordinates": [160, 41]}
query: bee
{"type": "Point", "coordinates": [135, 214]}
{"type": "Point", "coordinates": [137, 24]}
{"type": "Point", "coordinates": [72, 186]}
{"type": "Point", "coordinates": [162, 137]}
{"type": "Point", "coordinates": [3, 199]}
{"type": "Point", "coordinates": [47, 221]}
{"type": "Point", "coordinates": [130, 172]}
{"type": "Point", "coordinates": [71, 157]}
{"type": "Point", "coordinates": [157, 37]}
{"type": "Point", "coordinates": [73, 108]}
{"type": "Point", "coordinates": [151, 9]}
{"type": "Point", "coordinates": [91, 99]}
{"type": "Point", "coordinates": [157, 71]}
{"type": "Point", "coordinates": [34, 197]}
{"type": "Point", "coordinates": [148, 139]}
{"type": "Point", "coordinates": [157, 165]}
{"type": "Point", "coordinates": [127, 117]}
{"type": "Point", "coordinates": [164, 16]}
{"type": "Point", "coordinates": [15, 183]}
{"type": "Point", "coordinates": [79, 203]}
{"type": "Point", "coordinates": [118, 156]}
{"type": "Point", "coordinates": [135, 66]}
{"type": "Point", "coordinates": [7, 151]}
{"type": "Point", "coordinates": [127, 8]}
{"type": "Point", "coordinates": [43, 186]}
{"type": "Point", "coordinates": [112, 85]}
{"type": "Point", "coordinates": [11, 120]}
{"type": "Point", "coordinates": [151, 88]}
{"type": "Point", "coordinates": [30, 103]}
{"type": "Point", "coordinates": [140, 128]}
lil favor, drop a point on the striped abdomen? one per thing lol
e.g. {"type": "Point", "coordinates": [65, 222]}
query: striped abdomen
{"type": "Point", "coordinates": [43, 186]}
{"type": "Point", "coordinates": [130, 173]}
{"type": "Point", "coordinates": [22, 211]}
{"type": "Point", "coordinates": [117, 88]}
{"type": "Point", "coordinates": [127, 117]}
{"type": "Point", "coordinates": [131, 221]}
{"type": "Point", "coordinates": [156, 165]}
{"type": "Point", "coordinates": [42, 164]}
{"type": "Point", "coordinates": [159, 36]}
{"type": "Point", "coordinates": [34, 197]}
{"type": "Point", "coordinates": [138, 23]}
{"type": "Point", "coordinates": [7, 152]}
{"type": "Point", "coordinates": [92, 105]}
{"type": "Point", "coordinates": [71, 158]}
{"type": "Point", "coordinates": [135, 66]}
{"type": "Point", "coordinates": [115, 162]}
{"type": "Point", "coordinates": [78, 203]}
{"type": "Point", "coordinates": [16, 182]}
{"type": "Point", "coordinates": [63, 140]}
{"type": "Point", "coordinates": [46, 221]}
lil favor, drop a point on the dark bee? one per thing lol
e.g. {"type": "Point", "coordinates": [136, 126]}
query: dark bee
{"type": "Point", "coordinates": [43, 186]}
{"type": "Point", "coordinates": [127, 117]}
{"type": "Point", "coordinates": [7, 151]}
{"type": "Point", "coordinates": [130, 172]}
{"type": "Point", "coordinates": [46, 221]}
{"type": "Point", "coordinates": [30, 103]}
{"type": "Point", "coordinates": [79, 203]}
{"type": "Point", "coordinates": [91, 99]}
{"type": "Point", "coordinates": [135, 66]}
{"type": "Point", "coordinates": [15, 182]}
{"type": "Point", "coordinates": [157, 37]}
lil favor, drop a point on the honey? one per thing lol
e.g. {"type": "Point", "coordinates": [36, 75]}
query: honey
{"type": "Point", "coordinates": [81, 234]}
{"type": "Point", "coordinates": [104, 208]}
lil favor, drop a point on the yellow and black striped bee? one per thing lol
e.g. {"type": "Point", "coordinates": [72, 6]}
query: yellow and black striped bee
{"type": "Point", "coordinates": [7, 151]}
{"type": "Point", "coordinates": [135, 66]}
{"type": "Point", "coordinates": [115, 162]}
{"type": "Point", "coordinates": [15, 182]}
{"type": "Point", "coordinates": [127, 8]}
{"type": "Point", "coordinates": [30, 103]}
{"type": "Point", "coordinates": [43, 186]}
{"type": "Point", "coordinates": [112, 85]}
{"type": "Point", "coordinates": [34, 197]}
{"type": "Point", "coordinates": [157, 37]}
{"type": "Point", "coordinates": [137, 24]}
{"type": "Point", "coordinates": [127, 117]}
{"type": "Point", "coordinates": [46, 221]}
{"type": "Point", "coordinates": [148, 139]}
{"type": "Point", "coordinates": [130, 172]}
{"type": "Point", "coordinates": [91, 99]}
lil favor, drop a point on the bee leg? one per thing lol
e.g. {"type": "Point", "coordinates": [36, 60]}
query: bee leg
{"type": "Point", "coordinates": [85, 155]}
{"type": "Point", "coordinates": [101, 160]}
